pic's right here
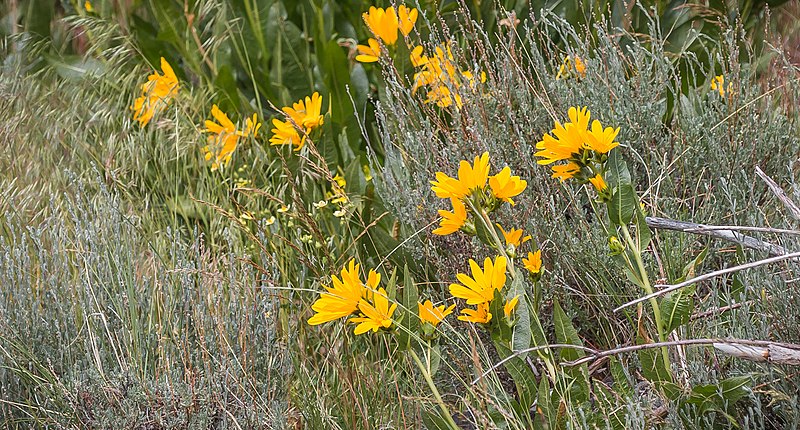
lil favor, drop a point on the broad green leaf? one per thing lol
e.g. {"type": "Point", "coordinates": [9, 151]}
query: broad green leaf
{"type": "Point", "coordinates": [618, 173]}
{"type": "Point", "coordinates": [408, 302]}
{"type": "Point", "coordinates": [623, 204]}
{"type": "Point", "coordinates": [566, 333]}
{"type": "Point", "coordinates": [520, 372]}
{"type": "Point", "coordinates": [643, 232]}
{"type": "Point", "coordinates": [433, 421]}
{"type": "Point", "coordinates": [653, 367]}
{"type": "Point", "coordinates": [621, 380]}
{"type": "Point", "coordinates": [677, 307]}
{"type": "Point", "coordinates": [545, 405]}
{"type": "Point", "coordinates": [521, 334]}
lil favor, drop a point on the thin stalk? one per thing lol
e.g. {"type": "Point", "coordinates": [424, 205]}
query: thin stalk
{"type": "Point", "coordinates": [427, 375]}
{"type": "Point", "coordinates": [637, 255]}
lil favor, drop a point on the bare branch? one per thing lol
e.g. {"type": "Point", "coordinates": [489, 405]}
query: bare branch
{"type": "Point", "coordinates": [719, 232]}
{"type": "Point", "coordinates": [669, 288]}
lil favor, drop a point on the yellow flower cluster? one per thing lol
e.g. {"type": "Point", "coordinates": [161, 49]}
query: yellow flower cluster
{"type": "Point", "coordinates": [583, 149]}
{"type": "Point", "coordinates": [225, 137]}
{"type": "Point", "coordinates": [384, 25]}
{"type": "Point", "coordinates": [718, 84]}
{"type": "Point", "coordinates": [441, 75]}
{"type": "Point", "coordinates": [471, 183]}
{"type": "Point", "coordinates": [305, 115]}
{"type": "Point", "coordinates": [368, 304]}
{"type": "Point", "coordinates": [571, 66]}
{"type": "Point", "coordinates": [157, 92]}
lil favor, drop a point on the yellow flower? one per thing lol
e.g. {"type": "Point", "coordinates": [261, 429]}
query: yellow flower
{"type": "Point", "coordinates": [567, 68]}
{"type": "Point", "coordinates": [480, 315]}
{"type": "Point", "coordinates": [480, 287]}
{"type": "Point", "coordinates": [369, 53]}
{"type": "Point", "coordinates": [224, 137]}
{"type": "Point", "coordinates": [157, 92]}
{"type": "Point", "coordinates": [407, 17]}
{"type": "Point", "coordinates": [418, 59]}
{"type": "Point", "coordinates": [470, 177]}
{"type": "Point", "coordinates": [440, 73]}
{"type": "Point", "coordinates": [510, 305]}
{"type": "Point", "coordinates": [569, 138]}
{"type": "Point", "coordinates": [376, 315]}
{"type": "Point", "coordinates": [534, 262]}
{"type": "Point", "coordinates": [598, 182]}
{"type": "Point", "coordinates": [382, 23]}
{"type": "Point", "coordinates": [514, 236]}
{"type": "Point", "coordinates": [565, 171]}
{"type": "Point", "coordinates": [88, 6]}
{"type": "Point", "coordinates": [452, 221]}
{"type": "Point", "coordinates": [504, 186]}
{"type": "Point", "coordinates": [341, 300]}
{"type": "Point", "coordinates": [433, 314]}
{"type": "Point", "coordinates": [601, 140]}
{"type": "Point", "coordinates": [718, 84]}
{"type": "Point", "coordinates": [285, 133]}
{"type": "Point", "coordinates": [306, 113]}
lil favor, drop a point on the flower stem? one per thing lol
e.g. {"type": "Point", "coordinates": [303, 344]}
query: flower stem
{"type": "Point", "coordinates": [637, 255]}
{"type": "Point", "coordinates": [427, 375]}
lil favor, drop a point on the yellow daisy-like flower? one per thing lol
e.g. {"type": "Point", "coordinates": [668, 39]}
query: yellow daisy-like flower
{"type": "Point", "coordinates": [369, 53]}
{"type": "Point", "coordinates": [452, 221]}
{"type": "Point", "coordinates": [470, 177]}
{"type": "Point", "coordinates": [341, 300]}
{"type": "Point", "coordinates": [406, 17]}
{"type": "Point", "coordinates": [565, 171]}
{"type": "Point", "coordinates": [433, 314]}
{"type": "Point", "coordinates": [224, 137]}
{"type": "Point", "coordinates": [567, 68]}
{"type": "Point", "coordinates": [376, 315]}
{"type": "Point", "coordinates": [534, 262]}
{"type": "Point", "coordinates": [481, 286]}
{"type": "Point", "coordinates": [510, 305]}
{"type": "Point", "coordinates": [479, 315]}
{"type": "Point", "coordinates": [418, 59]}
{"type": "Point", "coordinates": [568, 140]}
{"type": "Point", "coordinates": [513, 236]}
{"type": "Point", "coordinates": [598, 182]}
{"type": "Point", "coordinates": [285, 133]}
{"type": "Point", "coordinates": [382, 23]}
{"type": "Point", "coordinates": [601, 140]}
{"type": "Point", "coordinates": [157, 92]}
{"type": "Point", "coordinates": [88, 6]}
{"type": "Point", "coordinates": [504, 186]}
{"type": "Point", "coordinates": [306, 113]}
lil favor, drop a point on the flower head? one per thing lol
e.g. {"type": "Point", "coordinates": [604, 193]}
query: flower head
{"type": "Point", "coordinates": [479, 315]}
{"type": "Point", "coordinates": [224, 137]}
{"type": "Point", "coordinates": [342, 299]}
{"type": "Point", "coordinates": [470, 177]}
{"type": "Point", "coordinates": [718, 84]}
{"type": "Point", "coordinates": [406, 17]}
{"type": "Point", "coordinates": [601, 140]}
{"type": "Point", "coordinates": [285, 133]}
{"type": "Point", "coordinates": [306, 113]}
{"type": "Point", "coordinates": [568, 139]}
{"type": "Point", "coordinates": [569, 69]}
{"type": "Point", "coordinates": [481, 286]}
{"type": "Point", "coordinates": [504, 186]}
{"type": "Point", "coordinates": [433, 314]}
{"type": "Point", "coordinates": [376, 315]}
{"type": "Point", "coordinates": [382, 23]}
{"type": "Point", "coordinates": [452, 221]}
{"type": "Point", "coordinates": [598, 182]}
{"type": "Point", "coordinates": [565, 171]}
{"type": "Point", "coordinates": [533, 263]}
{"type": "Point", "coordinates": [157, 92]}
{"type": "Point", "coordinates": [510, 305]}
{"type": "Point", "coordinates": [369, 53]}
{"type": "Point", "coordinates": [514, 236]}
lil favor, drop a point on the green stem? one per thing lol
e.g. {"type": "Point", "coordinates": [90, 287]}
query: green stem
{"type": "Point", "coordinates": [427, 375]}
{"type": "Point", "coordinates": [487, 223]}
{"type": "Point", "coordinates": [648, 289]}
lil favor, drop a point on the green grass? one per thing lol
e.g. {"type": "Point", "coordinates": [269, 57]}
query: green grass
{"type": "Point", "coordinates": [142, 290]}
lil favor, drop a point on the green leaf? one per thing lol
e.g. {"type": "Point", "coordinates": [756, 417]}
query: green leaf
{"type": "Point", "coordinates": [433, 421]}
{"type": "Point", "coordinates": [735, 388]}
{"type": "Point", "coordinates": [623, 204]}
{"type": "Point", "coordinates": [618, 173]}
{"type": "Point", "coordinates": [410, 323]}
{"type": "Point", "coordinates": [653, 365]}
{"type": "Point", "coordinates": [621, 380]}
{"type": "Point", "coordinates": [521, 334]}
{"type": "Point", "coordinates": [545, 404]}
{"type": "Point", "coordinates": [677, 307]}
{"type": "Point", "coordinates": [566, 333]}
{"type": "Point", "coordinates": [434, 356]}
{"type": "Point", "coordinates": [520, 372]}
{"type": "Point", "coordinates": [643, 232]}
